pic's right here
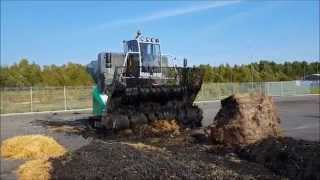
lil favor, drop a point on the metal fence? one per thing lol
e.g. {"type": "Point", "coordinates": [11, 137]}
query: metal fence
{"type": "Point", "coordinates": [39, 99]}
{"type": "Point", "coordinates": [216, 91]}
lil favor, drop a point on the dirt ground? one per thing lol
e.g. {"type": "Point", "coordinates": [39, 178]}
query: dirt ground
{"type": "Point", "coordinates": [70, 130]}
{"type": "Point", "coordinates": [156, 158]}
{"type": "Point", "coordinates": [180, 155]}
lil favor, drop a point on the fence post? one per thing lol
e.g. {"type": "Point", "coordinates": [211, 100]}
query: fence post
{"type": "Point", "coordinates": [281, 88]}
{"type": "Point", "coordinates": [218, 91]}
{"type": "Point", "coordinates": [252, 86]}
{"type": "Point", "coordinates": [202, 93]}
{"type": "Point", "coordinates": [233, 89]}
{"type": "Point", "coordinates": [2, 89]}
{"type": "Point", "coordinates": [261, 87]}
{"type": "Point", "coordinates": [295, 89]}
{"type": "Point", "coordinates": [31, 108]}
{"type": "Point", "coordinates": [65, 98]}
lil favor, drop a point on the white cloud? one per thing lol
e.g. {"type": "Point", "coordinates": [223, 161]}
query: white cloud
{"type": "Point", "coordinates": [168, 13]}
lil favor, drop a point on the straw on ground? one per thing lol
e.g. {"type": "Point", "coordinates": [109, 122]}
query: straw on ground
{"type": "Point", "coordinates": [31, 147]}
{"type": "Point", "coordinates": [38, 169]}
{"type": "Point", "coordinates": [38, 148]}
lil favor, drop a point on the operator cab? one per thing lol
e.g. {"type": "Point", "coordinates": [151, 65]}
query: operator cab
{"type": "Point", "coordinates": [142, 57]}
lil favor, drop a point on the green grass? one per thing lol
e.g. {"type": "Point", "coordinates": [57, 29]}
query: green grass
{"type": "Point", "coordinates": [315, 90]}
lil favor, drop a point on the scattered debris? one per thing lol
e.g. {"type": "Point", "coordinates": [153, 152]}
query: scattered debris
{"type": "Point", "coordinates": [199, 134]}
{"type": "Point", "coordinates": [244, 119]}
{"type": "Point", "coordinates": [141, 146]}
{"type": "Point", "coordinates": [126, 132]}
{"type": "Point", "coordinates": [295, 159]}
{"type": "Point", "coordinates": [159, 128]}
{"type": "Point", "coordinates": [31, 147]}
{"type": "Point", "coordinates": [65, 128]}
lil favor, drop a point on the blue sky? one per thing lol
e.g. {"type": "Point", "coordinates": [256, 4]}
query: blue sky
{"type": "Point", "coordinates": [206, 32]}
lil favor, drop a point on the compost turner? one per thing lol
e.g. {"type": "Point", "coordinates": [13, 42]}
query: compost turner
{"type": "Point", "coordinates": [139, 86]}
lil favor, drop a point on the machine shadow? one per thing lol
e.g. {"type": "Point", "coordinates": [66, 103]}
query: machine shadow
{"type": "Point", "coordinates": [79, 126]}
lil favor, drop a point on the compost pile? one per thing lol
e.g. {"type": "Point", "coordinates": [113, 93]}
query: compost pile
{"type": "Point", "coordinates": [244, 119]}
{"type": "Point", "coordinates": [125, 160]}
{"type": "Point", "coordinates": [249, 124]}
{"type": "Point", "coordinates": [116, 160]}
{"type": "Point", "coordinates": [296, 159]}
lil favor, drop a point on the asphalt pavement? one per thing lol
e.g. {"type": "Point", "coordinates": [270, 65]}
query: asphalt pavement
{"type": "Point", "coordinates": [300, 118]}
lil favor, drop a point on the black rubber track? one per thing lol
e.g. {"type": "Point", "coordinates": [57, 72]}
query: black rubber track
{"type": "Point", "coordinates": [139, 101]}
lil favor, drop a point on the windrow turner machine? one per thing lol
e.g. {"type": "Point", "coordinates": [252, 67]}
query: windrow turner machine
{"type": "Point", "coordinates": [137, 87]}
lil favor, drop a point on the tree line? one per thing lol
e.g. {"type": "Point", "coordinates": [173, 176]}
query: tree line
{"type": "Point", "coordinates": [25, 73]}
{"type": "Point", "coordinates": [260, 71]}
